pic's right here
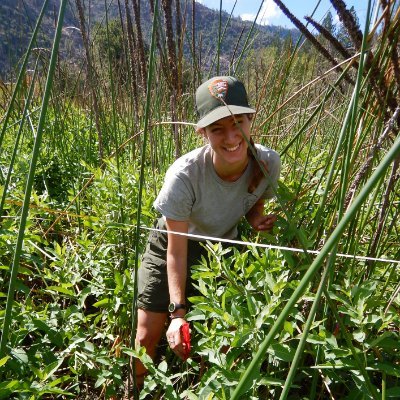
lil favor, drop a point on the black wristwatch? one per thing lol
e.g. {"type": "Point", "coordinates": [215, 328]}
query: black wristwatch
{"type": "Point", "coordinates": [176, 306]}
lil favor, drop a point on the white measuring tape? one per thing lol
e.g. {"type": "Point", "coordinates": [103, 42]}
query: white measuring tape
{"type": "Point", "coordinates": [269, 246]}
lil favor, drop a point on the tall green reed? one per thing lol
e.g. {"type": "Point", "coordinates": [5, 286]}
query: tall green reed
{"type": "Point", "coordinates": [17, 139]}
{"type": "Point", "coordinates": [22, 72]}
{"type": "Point", "coordinates": [142, 177]}
{"type": "Point", "coordinates": [330, 244]}
{"type": "Point", "coordinates": [29, 183]}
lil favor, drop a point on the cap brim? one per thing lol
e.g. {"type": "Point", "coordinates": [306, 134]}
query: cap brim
{"type": "Point", "coordinates": [223, 112]}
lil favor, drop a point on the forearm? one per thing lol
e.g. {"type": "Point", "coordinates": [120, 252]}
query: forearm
{"type": "Point", "coordinates": [258, 220]}
{"type": "Point", "coordinates": [256, 211]}
{"type": "Point", "coordinates": [177, 272]}
{"type": "Point", "coordinates": [177, 262]}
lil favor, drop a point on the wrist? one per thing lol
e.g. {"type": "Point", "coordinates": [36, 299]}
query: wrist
{"type": "Point", "coordinates": [180, 313]}
{"type": "Point", "coordinates": [177, 308]}
{"type": "Point", "coordinates": [171, 317]}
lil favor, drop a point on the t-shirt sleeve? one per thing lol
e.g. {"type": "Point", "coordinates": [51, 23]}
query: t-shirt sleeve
{"type": "Point", "coordinates": [274, 168]}
{"type": "Point", "coordinates": [175, 199]}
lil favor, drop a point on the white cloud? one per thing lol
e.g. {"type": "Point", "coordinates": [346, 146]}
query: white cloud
{"type": "Point", "coordinates": [336, 19]}
{"type": "Point", "coordinates": [247, 17]}
{"type": "Point", "coordinates": [269, 12]}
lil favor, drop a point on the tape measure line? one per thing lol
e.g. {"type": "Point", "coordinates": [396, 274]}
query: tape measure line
{"type": "Point", "coordinates": [269, 246]}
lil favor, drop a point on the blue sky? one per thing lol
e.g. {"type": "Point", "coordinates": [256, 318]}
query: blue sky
{"type": "Point", "coordinates": [272, 15]}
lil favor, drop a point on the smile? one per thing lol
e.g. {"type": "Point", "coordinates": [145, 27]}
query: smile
{"type": "Point", "coordinates": [231, 149]}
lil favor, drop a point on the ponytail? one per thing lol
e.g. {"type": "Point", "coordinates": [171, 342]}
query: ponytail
{"type": "Point", "coordinates": [257, 173]}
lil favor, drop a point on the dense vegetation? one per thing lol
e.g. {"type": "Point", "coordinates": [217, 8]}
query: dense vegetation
{"type": "Point", "coordinates": [84, 148]}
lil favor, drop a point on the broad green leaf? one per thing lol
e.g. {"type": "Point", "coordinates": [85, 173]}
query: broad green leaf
{"type": "Point", "coordinates": [250, 304]}
{"type": "Point", "coordinates": [4, 360]}
{"type": "Point", "coordinates": [287, 326]}
{"type": "Point", "coordinates": [187, 394]}
{"type": "Point", "coordinates": [60, 289]}
{"type": "Point", "coordinates": [102, 303]}
{"type": "Point", "coordinates": [390, 369]}
{"type": "Point", "coordinates": [393, 393]}
{"type": "Point", "coordinates": [52, 368]}
{"type": "Point", "coordinates": [315, 339]}
{"type": "Point", "coordinates": [20, 355]}
{"type": "Point", "coordinates": [53, 335]}
{"type": "Point", "coordinates": [359, 336]}
{"type": "Point", "coordinates": [119, 283]}
{"type": "Point", "coordinates": [282, 352]}
{"type": "Point", "coordinates": [8, 385]}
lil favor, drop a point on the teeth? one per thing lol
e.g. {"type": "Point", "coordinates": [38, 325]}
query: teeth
{"type": "Point", "coordinates": [232, 148]}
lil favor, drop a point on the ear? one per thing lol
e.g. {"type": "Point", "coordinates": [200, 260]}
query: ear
{"type": "Point", "coordinates": [201, 131]}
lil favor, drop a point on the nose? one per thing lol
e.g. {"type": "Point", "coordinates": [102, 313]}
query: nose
{"type": "Point", "coordinates": [232, 134]}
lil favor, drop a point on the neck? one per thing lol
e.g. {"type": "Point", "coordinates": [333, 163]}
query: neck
{"type": "Point", "coordinates": [230, 173]}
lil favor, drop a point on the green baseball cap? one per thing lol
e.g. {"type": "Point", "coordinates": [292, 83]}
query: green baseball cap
{"type": "Point", "coordinates": [220, 97]}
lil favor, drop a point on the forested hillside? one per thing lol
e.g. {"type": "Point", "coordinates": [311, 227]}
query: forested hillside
{"type": "Point", "coordinates": [19, 17]}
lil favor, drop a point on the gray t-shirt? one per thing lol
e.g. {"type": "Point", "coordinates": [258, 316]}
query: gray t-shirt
{"type": "Point", "coordinates": [193, 192]}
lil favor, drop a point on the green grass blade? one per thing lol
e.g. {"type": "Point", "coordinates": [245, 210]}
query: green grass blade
{"type": "Point", "coordinates": [314, 267]}
{"type": "Point", "coordinates": [142, 172]}
{"type": "Point", "coordinates": [22, 71]}
{"type": "Point", "coordinates": [29, 183]}
{"type": "Point", "coordinates": [17, 139]}
{"type": "Point", "coordinates": [300, 347]}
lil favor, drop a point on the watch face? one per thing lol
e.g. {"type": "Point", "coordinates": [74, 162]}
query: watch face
{"type": "Point", "coordinates": [174, 306]}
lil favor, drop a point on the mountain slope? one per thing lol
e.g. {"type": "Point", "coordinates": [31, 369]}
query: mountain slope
{"type": "Point", "coordinates": [19, 18]}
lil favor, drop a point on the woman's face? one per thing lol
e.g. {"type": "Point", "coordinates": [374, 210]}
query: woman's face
{"type": "Point", "coordinates": [226, 139]}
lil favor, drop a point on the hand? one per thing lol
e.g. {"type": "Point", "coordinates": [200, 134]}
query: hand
{"type": "Point", "coordinates": [263, 222]}
{"type": "Point", "coordinates": [174, 337]}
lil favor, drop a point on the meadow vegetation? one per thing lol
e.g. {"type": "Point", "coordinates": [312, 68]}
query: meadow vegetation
{"type": "Point", "coordinates": [83, 152]}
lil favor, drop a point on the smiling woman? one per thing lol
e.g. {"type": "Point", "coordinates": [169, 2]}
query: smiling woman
{"type": "Point", "coordinates": [228, 139]}
{"type": "Point", "coordinates": [205, 192]}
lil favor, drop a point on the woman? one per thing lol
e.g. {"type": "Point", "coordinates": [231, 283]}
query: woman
{"type": "Point", "coordinates": [206, 192]}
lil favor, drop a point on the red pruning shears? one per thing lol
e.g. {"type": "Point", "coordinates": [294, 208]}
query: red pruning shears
{"type": "Point", "coordinates": [185, 336]}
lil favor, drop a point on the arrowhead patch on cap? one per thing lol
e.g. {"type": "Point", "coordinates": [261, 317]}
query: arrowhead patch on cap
{"type": "Point", "coordinates": [218, 88]}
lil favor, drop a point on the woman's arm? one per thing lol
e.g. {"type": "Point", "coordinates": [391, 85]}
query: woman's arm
{"type": "Point", "coordinates": [258, 220]}
{"type": "Point", "coordinates": [177, 272]}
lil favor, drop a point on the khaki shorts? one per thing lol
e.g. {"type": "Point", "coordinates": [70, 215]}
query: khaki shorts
{"type": "Point", "coordinates": [153, 293]}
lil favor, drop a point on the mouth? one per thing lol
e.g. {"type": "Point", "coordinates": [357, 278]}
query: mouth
{"type": "Point", "coordinates": [232, 149]}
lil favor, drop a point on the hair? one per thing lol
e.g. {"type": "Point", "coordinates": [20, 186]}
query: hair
{"type": "Point", "coordinates": [257, 174]}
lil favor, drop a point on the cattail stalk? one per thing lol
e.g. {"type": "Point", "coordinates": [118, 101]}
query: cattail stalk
{"type": "Point", "coordinates": [390, 186]}
{"type": "Point", "coordinates": [91, 78]}
{"type": "Point", "coordinates": [330, 38]}
{"type": "Point", "coordinates": [194, 54]}
{"type": "Point", "coordinates": [140, 41]}
{"type": "Point", "coordinates": [303, 29]}
{"type": "Point", "coordinates": [349, 23]}
{"type": "Point", "coordinates": [382, 91]}
{"type": "Point", "coordinates": [163, 58]}
{"type": "Point", "coordinates": [179, 41]}
{"type": "Point", "coordinates": [131, 58]}
{"type": "Point", "coordinates": [166, 4]}
{"type": "Point", "coordinates": [368, 162]}
{"type": "Point", "coordinates": [175, 128]}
